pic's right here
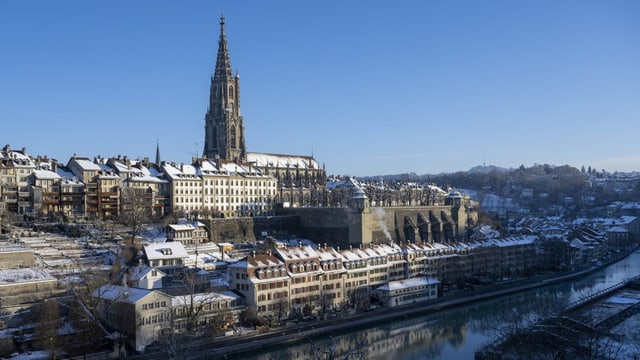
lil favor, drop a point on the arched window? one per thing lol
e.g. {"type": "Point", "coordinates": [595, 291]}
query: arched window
{"type": "Point", "coordinates": [233, 138]}
{"type": "Point", "coordinates": [230, 92]}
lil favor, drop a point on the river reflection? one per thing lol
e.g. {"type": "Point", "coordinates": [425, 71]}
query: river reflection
{"type": "Point", "coordinates": [455, 333]}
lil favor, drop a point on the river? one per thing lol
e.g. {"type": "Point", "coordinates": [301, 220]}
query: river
{"type": "Point", "coordinates": [458, 332]}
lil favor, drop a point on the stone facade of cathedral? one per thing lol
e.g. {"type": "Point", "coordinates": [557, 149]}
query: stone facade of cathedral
{"type": "Point", "coordinates": [300, 177]}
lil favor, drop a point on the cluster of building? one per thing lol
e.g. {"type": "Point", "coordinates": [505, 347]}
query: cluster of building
{"type": "Point", "coordinates": [99, 188]}
{"type": "Point", "coordinates": [188, 282]}
{"type": "Point", "coordinates": [282, 282]}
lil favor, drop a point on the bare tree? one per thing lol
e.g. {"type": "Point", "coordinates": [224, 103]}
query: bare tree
{"type": "Point", "coordinates": [195, 305]}
{"type": "Point", "coordinates": [324, 302]}
{"type": "Point", "coordinates": [89, 335]}
{"type": "Point", "coordinates": [87, 310]}
{"type": "Point", "coordinates": [249, 317]}
{"type": "Point", "coordinates": [48, 328]}
{"type": "Point", "coordinates": [336, 350]}
{"type": "Point", "coordinates": [281, 307]}
{"type": "Point", "coordinates": [176, 345]}
{"type": "Point", "coordinates": [135, 212]}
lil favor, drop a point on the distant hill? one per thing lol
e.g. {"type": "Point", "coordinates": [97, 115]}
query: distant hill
{"type": "Point", "coordinates": [485, 169]}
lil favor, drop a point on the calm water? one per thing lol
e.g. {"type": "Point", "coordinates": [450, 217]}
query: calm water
{"type": "Point", "coordinates": [455, 333]}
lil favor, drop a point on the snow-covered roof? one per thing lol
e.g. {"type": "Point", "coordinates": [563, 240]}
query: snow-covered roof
{"type": "Point", "coordinates": [18, 159]}
{"type": "Point", "coordinates": [576, 243]}
{"type": "Point", "coordinates": [234, 168]}
{"type": "Point", "coordinates": [68, 177]}
{"type": "Point", "coordinates": [45, 174]}
{"type": "Point", "coordinates": [183, 227]}
{"type": "Point", "coordinates": [165, 250]}
{"type": "Point", "coordinates": [146, 177]}
{"type": "Point", "coordinates": [350, 255]}
{"type": "Point", "coordinates": [139, 272]}
{"type": "Point", "coordinates": [408, 283]}
{"type": "Point", "coordinates": [203, 298]}
{"type": "Point", "coordinates": [121, 293]}
{"type": "Point", "coordinates": [186, 225]}
{"type": "Point", "coordinates": [513, 240]}
{"type": "Point", "coordinates": [87, 164]}
{"type": "Point", "coordinates": [257, 261]}
{"type": "Point", "coordinates": [297, 253]}
{"type": "Point", "coordinates": [328, 254]}
{"type": "Point", "coordinates": [617, 229]}
{"type": "Point", "coordinates": [349, 182]}
{"type": "Point", "coordinates": [181, 172]}
{"type": "Point", "coordinates": [121, 167]}
{"type": "Point", "coordinates": [282, 161]}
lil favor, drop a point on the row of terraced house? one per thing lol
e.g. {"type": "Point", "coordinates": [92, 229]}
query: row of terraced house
{"type": "Point", "coordinates": [99, 188]}
{"type": "Point", "coordinates": [304, 278]}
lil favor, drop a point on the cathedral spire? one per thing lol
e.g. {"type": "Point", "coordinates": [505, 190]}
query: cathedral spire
{"type": "Point", "coordinates": [157, 153]}
{"type": "Point", "coordinates": [223, 64]}
{"type": "Point", "coordinates": [224, 127]}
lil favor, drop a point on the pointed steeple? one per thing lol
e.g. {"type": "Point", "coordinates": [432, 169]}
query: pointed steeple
{"type": "Point", "coordinates": [157, 153]}
{"type": "Point", "coordinates": [223, 63]}
{"type": "Point", "coordinates": [224, 127]}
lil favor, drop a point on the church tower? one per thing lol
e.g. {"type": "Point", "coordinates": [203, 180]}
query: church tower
{"type": "Point", "coordinates": [223, 125]}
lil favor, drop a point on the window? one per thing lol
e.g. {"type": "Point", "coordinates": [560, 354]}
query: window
{"type": "Point", "coordinates": [233, 138]}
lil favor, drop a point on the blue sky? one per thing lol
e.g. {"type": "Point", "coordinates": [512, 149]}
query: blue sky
{"type": "Point", "coordinates": [368, 87]}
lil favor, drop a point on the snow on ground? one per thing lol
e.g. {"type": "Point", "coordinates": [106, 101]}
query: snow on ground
{"type": "Point", "coordinates": [623, 299]}
{"type": "Point", "coordinates": [34, 355]}
{"type": "Point", "coordinates": [629, 330]}
{"type": "Point", "coordinates": [154, 234]}
{"type": "Point", "coordinates": [11, 276]}
{"type": "Point", "coordinates": [604, 309]}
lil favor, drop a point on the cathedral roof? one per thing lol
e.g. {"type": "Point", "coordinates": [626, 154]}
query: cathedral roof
{"type": "Point", "coordinates": [282, 161]}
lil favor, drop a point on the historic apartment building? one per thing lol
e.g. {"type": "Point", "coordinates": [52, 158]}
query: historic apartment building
{"type": "Point", "coordinates": [15, 168]}
{"type": "Point", "coordinates": [100, 187]}
{"type": "Point", "coordinates": [307, 280]}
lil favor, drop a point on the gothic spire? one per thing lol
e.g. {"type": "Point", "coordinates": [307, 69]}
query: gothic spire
{"type": "Point", "coordinates": [224, 128]}
{"type": "Point", "coordinates": [223, 64]}
{"type": "Point", "coordinates": [157, 153]}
